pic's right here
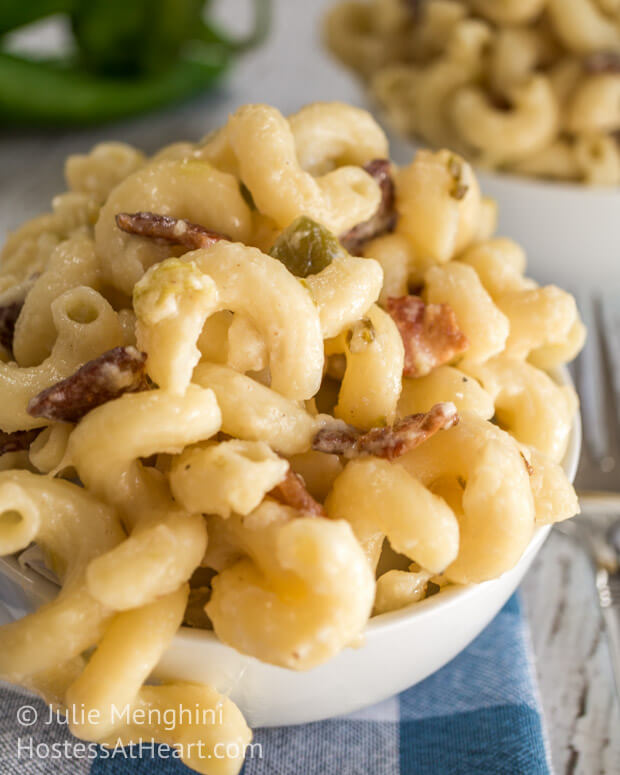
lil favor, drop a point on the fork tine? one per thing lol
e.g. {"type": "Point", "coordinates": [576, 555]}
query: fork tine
{"type": "Point", "coordinates": [591, 382]}
{"type": "Point", "coordinates": [610, 331]}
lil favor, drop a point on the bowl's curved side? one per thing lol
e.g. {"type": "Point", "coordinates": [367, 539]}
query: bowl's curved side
{"type": "Point", "coordinates": [393, 656]}
{"type": "Point", "coordinates": [569, 234]}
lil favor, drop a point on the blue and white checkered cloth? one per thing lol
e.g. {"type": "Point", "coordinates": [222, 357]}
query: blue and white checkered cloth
{"type": "Point", "coordinates": [479, 715]}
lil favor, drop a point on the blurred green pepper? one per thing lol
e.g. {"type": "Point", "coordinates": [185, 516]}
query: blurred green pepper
{"type": "Point", "coordinates": [132, 56]}
{"type": "Point", "coordinates": [117, 37]}
{"type": "Point", "coordinates": [36, 93]}
{"type": "Point", "coordinates": [305, 247]}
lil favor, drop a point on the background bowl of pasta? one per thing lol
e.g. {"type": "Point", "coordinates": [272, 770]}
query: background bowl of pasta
{"type": "Point", "coordinates": [528, 92]}
{"type": "Point", "coordinates": [396, 650]}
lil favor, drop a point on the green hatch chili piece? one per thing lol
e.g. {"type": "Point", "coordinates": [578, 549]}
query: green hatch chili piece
{"type": "Point", "coordinates": [131, 56]}
{"type": "Point", "coordinates": [305, 247]}
{"type": "Point", "coordinates": [143, 36]}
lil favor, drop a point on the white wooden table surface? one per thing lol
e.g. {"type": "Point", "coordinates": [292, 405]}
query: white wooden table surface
{"type": "Point", "coordinates": [582, 713]}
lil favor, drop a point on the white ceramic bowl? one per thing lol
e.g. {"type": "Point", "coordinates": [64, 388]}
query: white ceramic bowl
{"type": "Point", "coordinates": [398, 649]}
{"type": "Point", "coordinates": [570, 232]}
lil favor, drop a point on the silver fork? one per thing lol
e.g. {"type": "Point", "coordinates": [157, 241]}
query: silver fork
{"type": "Point", "coordinates": [598, 478]}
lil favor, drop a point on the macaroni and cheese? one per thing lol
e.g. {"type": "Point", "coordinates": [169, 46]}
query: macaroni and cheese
{"type": "Point", "coordinates": [233, 375]}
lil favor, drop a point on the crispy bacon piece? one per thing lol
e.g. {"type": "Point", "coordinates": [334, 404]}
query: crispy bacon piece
{"type": "Point", "coordinates": [8, 318]}
{"type": "Point", "coordinates": [384, 220]}
{"type": "Point", "coordinates": [163, 227]}
{"type": "Point", "coordinates": [117, 371]}
{"type": "Point", "coordinates": [390, 441]}
{"type": "Point", "coordinates": [292, 492]}
{"type": "Point", "coordinates": [430, 333]}
{"type": "Point", "coordinates": [602, 62]}
{"type": "Point", "coordinates": [18, 440]}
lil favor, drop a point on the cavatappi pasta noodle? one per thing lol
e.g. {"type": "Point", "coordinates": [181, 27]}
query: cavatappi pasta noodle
{"type": "Point", "coordinates": [527, 86]}
{"type": "Point", "coordinates": [237, 377]}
